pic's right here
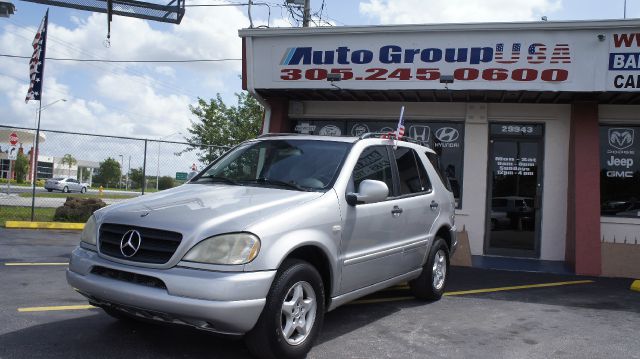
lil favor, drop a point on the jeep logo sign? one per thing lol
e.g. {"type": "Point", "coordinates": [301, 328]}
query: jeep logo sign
{"type": "Point", "coordinates": [621, 138]}
{"type": "Point", "coordinates": [447, 134]}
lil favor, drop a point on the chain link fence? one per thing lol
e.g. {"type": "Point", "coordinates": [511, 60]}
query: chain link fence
{"type": "Point", "coordinates": [71, 164]}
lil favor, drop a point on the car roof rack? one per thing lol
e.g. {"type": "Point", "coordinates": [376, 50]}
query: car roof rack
{"type": "Point", "coordinates": [275, 134]}
{"type": "Point", "coordinates": [392, 136]}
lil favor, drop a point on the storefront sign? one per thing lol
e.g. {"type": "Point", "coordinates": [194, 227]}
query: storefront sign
{"type": "Point", "coordinates": [553, 60]}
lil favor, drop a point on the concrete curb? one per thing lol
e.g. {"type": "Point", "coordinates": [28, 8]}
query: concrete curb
{"type": "Point", "coordinates": [635, 285]}
{"type": "Point", "coordinates": [43, 225]}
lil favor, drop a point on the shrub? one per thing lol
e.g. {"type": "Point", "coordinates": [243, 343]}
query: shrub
{"type": "Point", "coordinates": [166, 182]}
{"type": "Point", "coordinates": [77, 209]}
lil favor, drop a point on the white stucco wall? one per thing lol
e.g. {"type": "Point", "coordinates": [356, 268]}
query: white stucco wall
{"type": "Point", "coordinates": [556, 119]}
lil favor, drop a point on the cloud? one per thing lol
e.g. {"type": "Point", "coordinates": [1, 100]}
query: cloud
{"type": "Point", "coordinates": [140, 100]}
{"type": "Point", "coordinates": [442, 11]}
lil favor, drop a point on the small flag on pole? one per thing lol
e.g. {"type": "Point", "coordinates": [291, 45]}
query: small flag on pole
{"type": "Point", "coordinates": [400, 130]}
{"type": "Point", "coordinates": [36, 65]}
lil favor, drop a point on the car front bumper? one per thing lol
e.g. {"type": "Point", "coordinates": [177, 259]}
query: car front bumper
{"type": "Point", "coordinates": [223, 302]}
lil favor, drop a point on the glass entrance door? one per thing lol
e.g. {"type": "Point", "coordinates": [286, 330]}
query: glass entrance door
{"type": "Point", "coordinates": [515, 191]}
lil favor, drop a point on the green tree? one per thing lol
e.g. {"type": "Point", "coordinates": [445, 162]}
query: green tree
{"type": "Point", "coordinates": [69, 160]}
{"type": "Point", "coordinates": [135, 176]}
{"type": "Point", "coordinates": [108, 172]}
{"type": "Point", "coordinates": [21, 167]}
{"type": "Point", "coordinates": [221, 125]}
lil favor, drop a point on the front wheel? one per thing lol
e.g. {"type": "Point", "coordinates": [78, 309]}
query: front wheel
{"type": "Point", "coordinates": [433, 279]}
{"type": "Point", "coordinates": [49, 190]}
{"type": "Point", "coordinates": [83, 190]}
{"type": "Point", "coordinates": [65, 189]}
{"type": "Point", "coordinates": [292, 316]}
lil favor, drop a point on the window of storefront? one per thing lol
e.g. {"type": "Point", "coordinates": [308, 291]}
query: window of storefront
{"type": "Point", "coordinates": [45, 170]}
{"type": "Point", "coordinates": [4, 168]}
{"type": "Point", "coordinates": [620, 170]}
{"type": "Point", "coordinates": [445, 138]}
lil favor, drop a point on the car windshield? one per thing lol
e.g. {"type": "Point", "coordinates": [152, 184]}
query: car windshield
{"type": "Point", "coordinates": [305, 165]}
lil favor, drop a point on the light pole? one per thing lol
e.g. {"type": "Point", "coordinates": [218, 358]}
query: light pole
{"type": "Point", "coordinates": [121, 168]}
{"type": "Point", "coordinates": [158, 167]}
{"type": "Point", "coordinates": [127, 186]}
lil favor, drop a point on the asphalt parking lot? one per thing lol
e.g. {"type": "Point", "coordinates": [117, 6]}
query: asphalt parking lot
{"type": "Point", "coordinates": [486, 314]}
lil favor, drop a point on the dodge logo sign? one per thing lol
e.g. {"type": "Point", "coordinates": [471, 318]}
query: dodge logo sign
{"type": "Point", "coordinates": [621, 138]}
{"type": "Point", "coordinates": [130, 243]}
{"type": "Point", "coordinates": [447, 134]}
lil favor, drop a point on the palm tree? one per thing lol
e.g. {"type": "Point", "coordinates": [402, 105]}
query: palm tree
{"type": "Point", "coordinates": [69, 160]}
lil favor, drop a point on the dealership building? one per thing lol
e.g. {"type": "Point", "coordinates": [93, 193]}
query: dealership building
{"type": "Point", "coordinates": [537, 124]}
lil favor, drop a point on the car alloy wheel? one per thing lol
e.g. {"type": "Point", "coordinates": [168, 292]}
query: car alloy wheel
{"type": "Point", "coordinates": [298, 313]}
{"type": "Point", "coordinates": [439, 270]}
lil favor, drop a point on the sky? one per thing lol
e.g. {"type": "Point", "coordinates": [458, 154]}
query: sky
{"type": "Point", "coordinates": [152, 100]}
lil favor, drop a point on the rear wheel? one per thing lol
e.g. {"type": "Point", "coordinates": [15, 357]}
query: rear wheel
{"type": "Point", "coordinates": [49, 190]}
{"type": "Point", "coordinates": [292, 316]}
{"type": "Point", "coordinates": [433, 279]}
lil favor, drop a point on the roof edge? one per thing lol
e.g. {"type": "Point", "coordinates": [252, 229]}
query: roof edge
{"type": "Point", "coordinates": [449, 27]}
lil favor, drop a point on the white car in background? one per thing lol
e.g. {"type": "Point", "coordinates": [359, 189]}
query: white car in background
{"type": "Point", "coordinates": [66, 185]}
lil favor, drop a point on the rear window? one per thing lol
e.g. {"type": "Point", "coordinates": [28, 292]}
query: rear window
{"type": "Point", "coordinates": [435, 162]}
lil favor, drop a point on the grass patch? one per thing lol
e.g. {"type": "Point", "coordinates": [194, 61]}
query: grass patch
{"type": "Point", "coordinates": [10, 213]}
{"type": "Point", "coordinates": [81, 195]}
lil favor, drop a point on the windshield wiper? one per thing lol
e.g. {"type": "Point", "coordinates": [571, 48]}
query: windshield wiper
{"type": "Point", "coordinates": [219, 179]}
{"type": "Point", "coordinates": [275, 182]}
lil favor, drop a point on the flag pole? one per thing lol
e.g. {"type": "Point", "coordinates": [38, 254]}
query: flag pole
{"type": "Point", "coordinates": [35, 163]}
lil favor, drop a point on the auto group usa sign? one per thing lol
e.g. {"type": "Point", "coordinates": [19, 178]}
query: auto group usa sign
{"type": "Point", "coordinates": [572, 60]}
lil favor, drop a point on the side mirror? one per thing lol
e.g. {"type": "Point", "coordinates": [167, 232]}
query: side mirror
{"type": "Point", "coordinates": [370, 191]}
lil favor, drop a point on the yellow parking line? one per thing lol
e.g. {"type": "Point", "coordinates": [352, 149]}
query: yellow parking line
{"type": "Point", "coordinates": [517, 287]}
{"type": "Point", "coordinates": [16, 264]}
{"type": "Point", "coordinates": [61, 307]}
{"type": "Point", "coordinates": [478, 291]}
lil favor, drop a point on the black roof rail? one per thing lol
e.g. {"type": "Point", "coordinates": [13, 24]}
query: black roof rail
{"type": "Point", "coordinates": [272, 134]}
{"type": "Point", "coordinates": [392, 135]}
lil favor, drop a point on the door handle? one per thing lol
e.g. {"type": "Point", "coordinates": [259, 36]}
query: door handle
{"type": "Point", "coordinates": [396, 211]}
{"type": "Point", "coordinates": [433, 205]}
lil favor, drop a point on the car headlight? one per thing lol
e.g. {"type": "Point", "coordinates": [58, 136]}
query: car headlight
{"type": "Point", "coordinates": [89, 232]}
{"type": "Point", "coordinates": [232, 248]}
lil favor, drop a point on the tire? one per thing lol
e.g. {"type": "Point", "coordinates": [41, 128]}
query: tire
{"type": "Point", "coordinates": [49, 190]}
{"type": "Point", "coordinates": [65, 189]}
{"type": "Point", "coordinates": [83, 190]}
{"type": "Point", "coordinates": [267, 339]}
{"type": "Point", "coordinates": [432, 281]}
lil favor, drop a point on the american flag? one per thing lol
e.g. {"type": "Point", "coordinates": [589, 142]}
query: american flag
{"type": "Point", "coordinates": [400, 130]}
{"type": "Point", "coordinates": [515, 53]}
{"type": "Point", "coordinates": [36, 65]}
{"type": "Point", "coordinates": [537, 53]}
{"type": "Point", "coordinates": [561, 54]}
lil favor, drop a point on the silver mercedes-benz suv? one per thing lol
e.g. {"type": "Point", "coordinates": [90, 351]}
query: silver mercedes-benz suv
{"type": "Point", "coordinates": [272, 235]}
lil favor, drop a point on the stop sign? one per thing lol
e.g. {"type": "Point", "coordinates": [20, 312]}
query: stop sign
{"type": "Point", "coordinates": [13, 139]}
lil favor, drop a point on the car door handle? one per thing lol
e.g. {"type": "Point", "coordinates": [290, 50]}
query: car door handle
{"type": "Point", "coordinates": [396, 211]}
{"type": "Point", "coordinates": [434, 205]}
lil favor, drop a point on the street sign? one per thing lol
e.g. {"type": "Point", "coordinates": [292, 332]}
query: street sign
{"type": "Point", "coordinates": [13, 139]}
{"type": "Point", "coordinates": [13, 153]}
{"type": "Point", "coordinates": [181, 176]}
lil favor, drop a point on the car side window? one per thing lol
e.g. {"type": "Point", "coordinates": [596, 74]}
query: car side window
{"type": "Point", "coordinates": [412, 174]}
{"type": "Point", "coordinates": [373, 164]}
